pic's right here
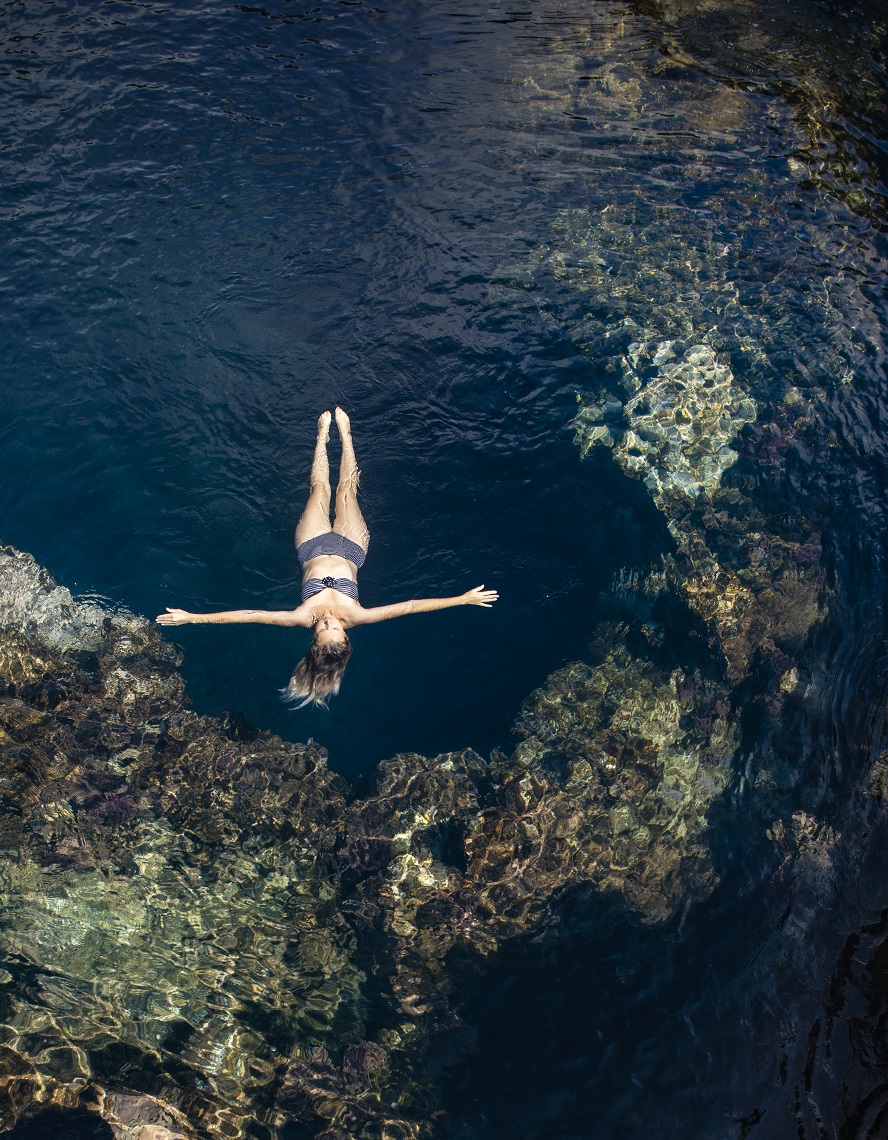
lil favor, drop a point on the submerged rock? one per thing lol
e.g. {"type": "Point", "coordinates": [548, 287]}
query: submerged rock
{"type": "Point", "coordinates": [646, 753]}
{"type": "Point", "coordinates": [682, 420]}
{"type": "Point", "coordinates": [200, 919]}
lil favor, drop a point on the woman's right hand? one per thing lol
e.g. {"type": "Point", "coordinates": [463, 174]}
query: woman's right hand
{"type": "Point", "coordinates": [174, 617]}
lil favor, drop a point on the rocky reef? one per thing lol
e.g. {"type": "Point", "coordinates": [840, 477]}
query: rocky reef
{"type": "Point", "coordinates": [681, 421]}
{"type": "Point", "coordinates": [712, 383]}
{"type": "Point", "coordinates": [206, 933]}
{"type": "Point", "coordinates": [675, 423]}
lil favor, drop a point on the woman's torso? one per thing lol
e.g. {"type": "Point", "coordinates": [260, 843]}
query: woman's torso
{"type": "Point", "coordinates": [329, 566]}
{"type": "Point", "coordinates": [318, 589]}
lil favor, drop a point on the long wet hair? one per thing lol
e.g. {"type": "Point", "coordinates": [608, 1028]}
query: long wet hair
{"type": "Point", "coordinates": [318, 675]}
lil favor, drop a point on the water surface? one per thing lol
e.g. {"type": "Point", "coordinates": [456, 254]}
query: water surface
{"type": "Point", "coordinates": [453, 220]}
{"type": "Point", "coordinates": [221, 222]}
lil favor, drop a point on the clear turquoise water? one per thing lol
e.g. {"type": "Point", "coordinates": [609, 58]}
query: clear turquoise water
{"type": "Point", "coordinates": [217, 221]}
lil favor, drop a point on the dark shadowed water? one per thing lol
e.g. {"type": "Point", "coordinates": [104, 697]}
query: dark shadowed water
{"type": "Point", "coordinates": [221, 222]}
{"type": "Point", "coordinates": [218, 220]}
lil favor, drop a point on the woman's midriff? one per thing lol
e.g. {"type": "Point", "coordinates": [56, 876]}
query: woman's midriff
{"type": "Point", "coordinates": [329, 566]}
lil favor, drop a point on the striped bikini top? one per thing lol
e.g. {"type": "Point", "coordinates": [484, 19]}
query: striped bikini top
{"type": "Point", "coordinates": [312, 586]}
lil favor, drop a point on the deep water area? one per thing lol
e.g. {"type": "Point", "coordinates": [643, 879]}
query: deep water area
{"type": "Point", "coordinates": [602, 287]}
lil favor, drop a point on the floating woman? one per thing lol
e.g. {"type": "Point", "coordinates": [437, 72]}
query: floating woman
{"type": "Point", "coordinates": [330, 558]}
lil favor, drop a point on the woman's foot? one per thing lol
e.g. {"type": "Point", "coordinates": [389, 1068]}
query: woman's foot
{"type": "Point", "coordinates": [324, 426]}
{"type": "Point", "coordinates": [343, 423]}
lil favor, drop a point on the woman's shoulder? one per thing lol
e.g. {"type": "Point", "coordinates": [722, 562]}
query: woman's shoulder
{"type": "Point", "coordinates": [350, 613]}
{"type": "Point", "coordinates": [301, 616]}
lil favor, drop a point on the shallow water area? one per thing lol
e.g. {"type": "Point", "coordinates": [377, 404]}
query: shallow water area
{"type": "Point", "coordinates": [602, 288]}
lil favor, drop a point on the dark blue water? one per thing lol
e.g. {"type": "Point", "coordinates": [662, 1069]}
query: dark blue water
{"type": "Point", "coordinates": [219, 220]}
{"type": "Point", "coordinates": [219, 223]}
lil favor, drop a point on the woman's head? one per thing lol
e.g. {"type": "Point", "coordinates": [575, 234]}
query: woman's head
{"type": "Point", "coordinates": [318, 675]}
{"type": "Point", "coordinates": [329, 630]}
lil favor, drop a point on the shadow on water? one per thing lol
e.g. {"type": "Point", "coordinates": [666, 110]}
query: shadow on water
{"type": "Point", "coordinates": [61, 1124]}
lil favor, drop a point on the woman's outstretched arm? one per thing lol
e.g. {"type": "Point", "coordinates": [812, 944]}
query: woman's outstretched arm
{"type": "Point", "coordinates": [477, 597]}
{"type": "Point", "coordinates": [227, 617]}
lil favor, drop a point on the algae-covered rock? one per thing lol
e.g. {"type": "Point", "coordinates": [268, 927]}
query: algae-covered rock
{"type": "Point", "coordinates": [132, 1117]}
{"type": "Point", "coordinates": [681, 420]}
{"type": "Point", "coordinates": [199, 916]}
{"type": "Point", "coordinates": [646, 754]}
{"type": "Point", "coordinates": [162, 876]}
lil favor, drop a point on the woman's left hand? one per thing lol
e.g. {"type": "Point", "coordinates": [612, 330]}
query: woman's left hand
{"type": "Point", "coordinates": [480, 597]}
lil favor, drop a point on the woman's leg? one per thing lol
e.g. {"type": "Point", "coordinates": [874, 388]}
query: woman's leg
{"type": "Point", "coordinates": [316, 516]}
{"type": "Point", "coordinates": [349, 520]}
